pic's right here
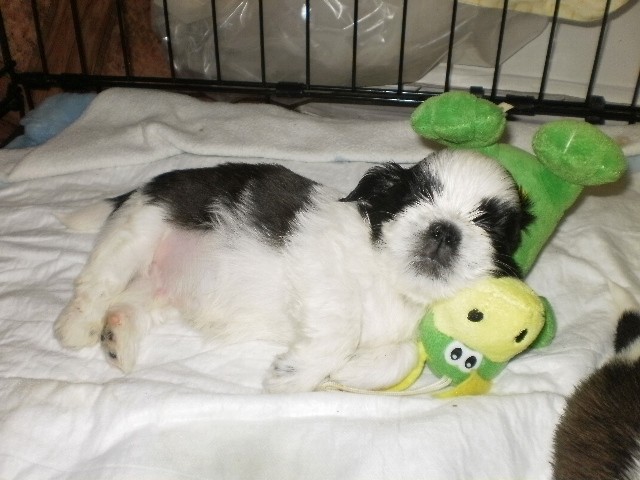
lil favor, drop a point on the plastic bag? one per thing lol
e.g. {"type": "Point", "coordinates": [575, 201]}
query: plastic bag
{"type": "Point", "coordinates": [331, 39]}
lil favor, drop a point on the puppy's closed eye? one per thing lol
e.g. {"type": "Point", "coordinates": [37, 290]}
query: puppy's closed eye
{"type": "Point", "coordinates": [503, 222]}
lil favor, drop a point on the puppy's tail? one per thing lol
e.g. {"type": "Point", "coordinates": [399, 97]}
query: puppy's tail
{"type": "Point", "coordinates": [92, 217]}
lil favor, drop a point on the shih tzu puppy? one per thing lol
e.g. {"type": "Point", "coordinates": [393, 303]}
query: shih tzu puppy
{"type": "Point", "coordinates": [598, 436]}
{"type": "Point", "coordinates": [258, 252]}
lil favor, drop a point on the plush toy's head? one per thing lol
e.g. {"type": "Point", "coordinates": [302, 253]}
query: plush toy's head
{"type": "Point", "coordinates": [470, 338]}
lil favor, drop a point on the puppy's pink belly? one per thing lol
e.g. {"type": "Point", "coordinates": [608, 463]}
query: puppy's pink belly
{"type": "Point", "coordinates": [175, 268]}
{"type": "Point", "coordinates": [232, 287]}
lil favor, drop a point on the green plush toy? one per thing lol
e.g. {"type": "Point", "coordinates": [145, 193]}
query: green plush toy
{"type": "Point", "coordinates": [569, 155]}
{"type": "Point", "coordinates": [470, 338]}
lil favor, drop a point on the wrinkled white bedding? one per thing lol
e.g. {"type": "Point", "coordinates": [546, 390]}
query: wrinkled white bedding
{"type": "Point", "coordinates": [192, 408]}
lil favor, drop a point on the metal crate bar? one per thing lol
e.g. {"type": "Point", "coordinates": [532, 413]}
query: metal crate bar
{"type": "Point", "coordinates": [167, 32]}
{"type": "Point", "coordinates": [634, 100]}
{"type": "Point", "coordinates": [523, 104]}
{"type": "Point", "coordinates": [547, 59]}
{"type": "Point", "coordinates": [307, 45]}
{"type": "Point", "coordinates": [354, 47]}
{"type": "Point", "coordinates": [403, 36]}
{"type": "Point", "coordinates": [496, 67]}
{"type": "Point", "coordinates": [12, 101]}
{"type": "Point", "coordinates": [39, 40]}
{"type": "Point", "coordinates": [216, 45]}
{"type": "Point", "coordinates": [263, 71]}
{"type": "Point", "coordinates": [452, 35]}
{"type": "Point", "coordinates": [596, 59]}
{"type": "Point", "coordinates": [124, 38]}
{"type": "Point", "coordinates": [77, 29]}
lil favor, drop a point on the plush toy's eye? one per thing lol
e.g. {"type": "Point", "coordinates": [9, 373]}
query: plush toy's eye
{"type": "Point", "coordinates": [475, 315]}
{"type": "Point", "coordinates": [460, 356]}
{"type": "Point", "coordinates": [470, 362]}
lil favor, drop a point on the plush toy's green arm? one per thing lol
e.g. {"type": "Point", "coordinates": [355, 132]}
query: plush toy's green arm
{"type": "Point", "coordinates": [550, 197]}
{"type": "Point", "coordinates": [459, 119]}
{"type": "Point", "coordinates": [579, 152]}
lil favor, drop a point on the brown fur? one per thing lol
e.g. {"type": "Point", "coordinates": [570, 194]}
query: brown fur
{"type": "Point", "coordinates": [598, 434]}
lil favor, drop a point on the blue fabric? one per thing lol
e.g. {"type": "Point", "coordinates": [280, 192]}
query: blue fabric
{"type": "Point", "coordinates": [51, 117]}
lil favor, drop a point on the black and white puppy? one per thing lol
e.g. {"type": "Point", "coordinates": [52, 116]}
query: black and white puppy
{"type": "Point", "coordinates": [259, 252]}
{"type": "Point", "coordinates": [598, 437]}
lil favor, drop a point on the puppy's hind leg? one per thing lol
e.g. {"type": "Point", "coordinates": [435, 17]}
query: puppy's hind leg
{"type": "Point", "coordinates": [127, 320]}
{"type": "Point", "coordinates": [306, 364]}
{"type": "Point", "coordinates": [326, 340]}
{"type": "Point", "coordinates": [125, 246]}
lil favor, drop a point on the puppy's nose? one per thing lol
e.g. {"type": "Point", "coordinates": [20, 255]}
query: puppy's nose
{"type": "Point", "coordinates": [441, 241]}
{"type": "Point", "coordinates": [444, 234]}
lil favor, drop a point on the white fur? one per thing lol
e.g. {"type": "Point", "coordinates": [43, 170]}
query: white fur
{"type": "Point", "coordinates": [346, 308]}
{"type": "Point", "coordinates": [633, 472]}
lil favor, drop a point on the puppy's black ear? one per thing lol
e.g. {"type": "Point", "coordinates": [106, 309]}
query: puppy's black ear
{"type": "Point", "coordinates": [377, 183]}
{"type": "Point", "coordinates": [380, 194]}
{"type": "Point", "coordinates": [527, 209]}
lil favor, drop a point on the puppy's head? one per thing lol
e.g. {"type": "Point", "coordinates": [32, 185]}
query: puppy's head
{"type": "Point", "coordinates": [453, 218]}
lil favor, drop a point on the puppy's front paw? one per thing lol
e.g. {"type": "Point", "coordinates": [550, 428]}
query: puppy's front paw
{"type": "Point", "coordinates": [119, 339]}
{"type": "Point", "coordinates": [78, 325]}
{"type": "Point", "coordinates": [284, 376]}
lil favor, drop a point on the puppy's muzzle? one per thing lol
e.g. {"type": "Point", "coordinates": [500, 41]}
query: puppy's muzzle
{"type": "Point", "coordinates": [437, 249]}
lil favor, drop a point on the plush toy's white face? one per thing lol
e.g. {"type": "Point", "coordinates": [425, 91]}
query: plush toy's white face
{"type": "Point", "coordinates": [499, 317]}
{"type": "Point", "coordinates": [453, 218]}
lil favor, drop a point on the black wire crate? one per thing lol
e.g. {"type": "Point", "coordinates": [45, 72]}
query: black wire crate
{"type": "Point", "coordinates": [389, 52]}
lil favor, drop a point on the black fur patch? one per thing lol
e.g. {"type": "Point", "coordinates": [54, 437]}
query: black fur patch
{"type": "Point", "coordinates": [386, 190]}
{"type": "Point", "coordinates": [628, 330]}
{"type": "Point", "coordinates": [119, 200]}
{"type": "Point", "coordinates": [268, 196]}
{"type": "Point", "coordinates": [504, 223]}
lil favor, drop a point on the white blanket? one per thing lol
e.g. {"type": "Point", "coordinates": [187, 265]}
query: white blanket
{"type": "Point", "coordinates": [192, 408]}
{"type": "Point", "coordinates": [131, 127]}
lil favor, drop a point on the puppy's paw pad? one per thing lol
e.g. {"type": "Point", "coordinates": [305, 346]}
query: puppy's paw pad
{"type": "Point", "coordinates": [116, 318]}
{"type": "Point", "coordinates": [119, 340]}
